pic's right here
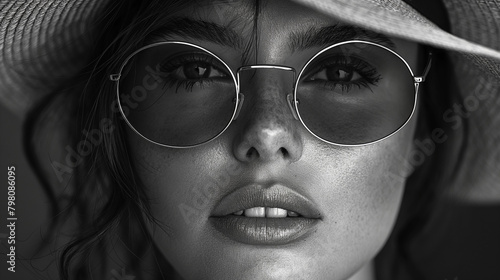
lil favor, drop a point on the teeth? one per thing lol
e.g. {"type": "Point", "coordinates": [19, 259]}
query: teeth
{"type": "Point", "coordinates": [275, 213]}
{"type": "Point", "coordinates": [255, 212]}
{"type": "Point", "coordinates": [266, 212]}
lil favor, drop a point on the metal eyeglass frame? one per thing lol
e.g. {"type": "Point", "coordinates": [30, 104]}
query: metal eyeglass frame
{"type": "Point", "coordinates": [292, 100]}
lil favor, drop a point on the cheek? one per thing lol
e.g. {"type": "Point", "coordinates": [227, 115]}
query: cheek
{"type": "Point", "coordinates": [361, 191]}
{"type": "Point", "coordinates": [358, 190]}
{"type": "Point", "coordinates": [179, 184]}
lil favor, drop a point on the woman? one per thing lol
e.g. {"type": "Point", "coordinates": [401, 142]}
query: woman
{"type": "Point", "coordinates": [292, 167]}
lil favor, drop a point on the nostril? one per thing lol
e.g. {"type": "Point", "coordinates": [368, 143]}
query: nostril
{"type": "Point", "coordinates": [252, 153]}
{"type": "Point", "coordinates": [284, 152]}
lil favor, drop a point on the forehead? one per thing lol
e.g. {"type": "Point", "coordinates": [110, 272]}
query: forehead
{"type": "Point", "coordinates": [261, 31]}
{"type": "Point", "coordinates": [275, 13]}
{"type": "Point", "coordinates": [270, 24]}
{"type": "Point", "coordinates": [269, 19]}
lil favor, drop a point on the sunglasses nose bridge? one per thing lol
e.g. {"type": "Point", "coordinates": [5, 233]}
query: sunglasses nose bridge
{"type": "Point", "coordinates": [289, 97]}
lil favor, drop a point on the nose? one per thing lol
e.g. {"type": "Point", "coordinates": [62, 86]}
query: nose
{"type": "Point", "coordinates": [266, 128]}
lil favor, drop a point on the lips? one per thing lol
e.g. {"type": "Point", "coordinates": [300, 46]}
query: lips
{"type": "Point", "coordinates": [264, 215]}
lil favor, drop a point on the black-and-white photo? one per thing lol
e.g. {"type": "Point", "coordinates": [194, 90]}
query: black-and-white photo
{"type": "Point", "coordinates": [250, 139]}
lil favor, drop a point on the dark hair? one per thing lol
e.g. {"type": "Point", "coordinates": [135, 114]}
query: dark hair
{"type": "Point", "coordinates": [104, 198]}
{"type": "Point", "coordinates": [424, 189]}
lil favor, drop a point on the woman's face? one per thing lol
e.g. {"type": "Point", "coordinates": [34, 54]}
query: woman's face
{"type": "Point", "coordinates": [347, 198]}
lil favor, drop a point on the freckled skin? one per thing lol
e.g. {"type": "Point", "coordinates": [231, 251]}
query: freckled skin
{"type": "Point", "coordinates": [350, 186]}
{"type": "Point", "coordinates": [265, 113]}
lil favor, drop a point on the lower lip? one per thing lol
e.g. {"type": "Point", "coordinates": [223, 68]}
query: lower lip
{"type": "Point", "coordinates": [263, 231]}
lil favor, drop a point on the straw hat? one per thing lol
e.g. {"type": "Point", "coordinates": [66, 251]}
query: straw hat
{"type": "Point", "coordinates": [44, 42]}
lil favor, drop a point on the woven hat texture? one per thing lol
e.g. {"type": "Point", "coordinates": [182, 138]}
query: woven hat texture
{"type": "Point", "coordinates": [43, 43]}
{"type": "Point", "coordinates": [474, 44]}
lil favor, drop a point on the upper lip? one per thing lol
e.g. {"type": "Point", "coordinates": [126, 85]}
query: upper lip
{"type": "Point", "coordinates": [259, 195]}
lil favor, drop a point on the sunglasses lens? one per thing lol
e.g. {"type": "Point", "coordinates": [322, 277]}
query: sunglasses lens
{"type": "Point", "coordinates": [177, 94]}
{"type": "Point", "coordinates": [355, 93]}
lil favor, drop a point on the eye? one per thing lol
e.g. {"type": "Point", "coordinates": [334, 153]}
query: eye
{"type": "Point", "coordinates": [195, 70]}
{"type": "Point", "coordinates": [193, 66]}
{"type": "Point", "coordinates": [342, 72]}
{"type": "Point", "coordinates": [336, 73]}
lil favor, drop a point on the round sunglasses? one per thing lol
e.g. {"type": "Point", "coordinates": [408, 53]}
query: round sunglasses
{"type": "Point", "coordinates": [181, 95]}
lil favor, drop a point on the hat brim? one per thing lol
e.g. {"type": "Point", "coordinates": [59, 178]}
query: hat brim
{"type": "Point", "coordinates": [55, 35]}
{"type": "Point", "coordinates": [397, 18]}
{"type": "Point", "coordinates": [43, 43]}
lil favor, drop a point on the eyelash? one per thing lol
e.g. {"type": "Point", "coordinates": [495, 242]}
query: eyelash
{"type": "Point", "coordinates": [368, 73]}
{"type": "Point", "coordinates": [173, 64]}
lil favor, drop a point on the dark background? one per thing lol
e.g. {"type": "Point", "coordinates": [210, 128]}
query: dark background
{"type": "Point", "coordinates": [31, 203]}
{"type": "Point", "coordinates": [468, 246]}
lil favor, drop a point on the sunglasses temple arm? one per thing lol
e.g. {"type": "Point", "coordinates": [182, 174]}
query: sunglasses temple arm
{"type": "Point", "coordinates": [426, 70]}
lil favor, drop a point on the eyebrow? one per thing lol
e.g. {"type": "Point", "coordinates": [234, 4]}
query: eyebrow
{"type": "Point", "coordinates": [298, 40]}
{"type": "Point", "coordinates": [329, 35]}
{"type": "Point", "coordinates": [201, 30]}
